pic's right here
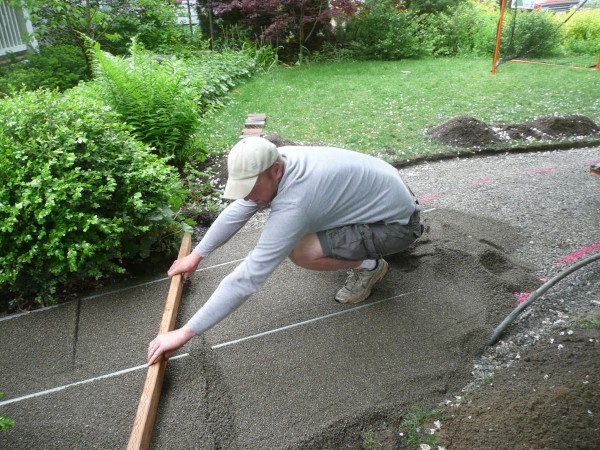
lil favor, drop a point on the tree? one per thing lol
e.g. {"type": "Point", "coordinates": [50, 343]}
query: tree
{"type": "Point", "coordinates": [293, 25]}
{"type": "Point", "coordinates": [430, 6]}
{"type": "Point", "coordinates": [109, 22]}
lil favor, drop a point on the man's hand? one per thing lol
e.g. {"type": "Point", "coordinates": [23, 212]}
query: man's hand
{"type": "Point", "coordinates": [167, 343]}
{"type": "Point", "coordinates": [187, 265]}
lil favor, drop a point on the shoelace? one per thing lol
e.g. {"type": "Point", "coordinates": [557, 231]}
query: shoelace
{"type": "Point", "coordinates": [353, 277]}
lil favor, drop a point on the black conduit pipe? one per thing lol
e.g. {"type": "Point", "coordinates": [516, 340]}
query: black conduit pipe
{"type": "Point", "coordinates": [540, 291]}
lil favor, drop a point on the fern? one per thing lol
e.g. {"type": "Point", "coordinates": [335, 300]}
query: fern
{"type": "Point", "coordinates": [151, 95]}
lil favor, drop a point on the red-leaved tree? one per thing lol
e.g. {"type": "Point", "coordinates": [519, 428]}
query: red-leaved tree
{"type": "Point", "coordinates": [290, 25]}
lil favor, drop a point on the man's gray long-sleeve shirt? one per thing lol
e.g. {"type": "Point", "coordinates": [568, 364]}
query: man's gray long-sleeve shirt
{"type": "Point", "coordinates": [321, 188]}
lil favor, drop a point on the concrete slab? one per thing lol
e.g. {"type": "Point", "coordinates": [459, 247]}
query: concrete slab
{"type": "Point", "coordinates": [37, 350]}
{"type": "Point", "coordinates": [94, 415]}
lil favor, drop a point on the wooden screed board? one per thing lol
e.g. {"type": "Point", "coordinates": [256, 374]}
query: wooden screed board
{"type": "Point", "coordinates": [141, 433]}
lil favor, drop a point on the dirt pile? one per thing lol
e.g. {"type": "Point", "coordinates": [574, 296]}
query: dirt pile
{"type": "Point", "coordinates": [468, 132]}
{"type": "Point", "coordinates": [548, 399]}
{"type": "Point", "coordinates": [464, 131]}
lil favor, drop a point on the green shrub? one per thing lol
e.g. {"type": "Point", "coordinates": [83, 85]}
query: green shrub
{"type": "Point", "coordinates": [53, 67]}
{"type": "Point", "coordinates": [175, 40]}
{"type": "Point", "coordinates": [78, 194]}
{"type": "Point", "coordinates": [209, 76]}
{"type": "Point", "coordinates": [534, 34]}
{"type": "Point", "coordinates": [581, 34]}
{"type": "Point", "coordinates": [432, 6]}
{"type": "Point", "coordinates": [434, 35]}
{"type": "Point", "coordinates": [153, 22]}
{"type": "Point", "coordinates": [472, 29]}
{"type": "Point", "coordinates": [5, 421]}
{"type": "Point", "coordinates": [382, 30]}
{"type": "Point", "coordinates": [152, 95]}
{"type": "Point", "coordinates": [485, 28]}
{"type": "Point", "coordinates": [466, 29]}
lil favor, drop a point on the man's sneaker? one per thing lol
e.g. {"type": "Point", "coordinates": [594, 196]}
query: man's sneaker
{"type": "Point", "coordinates": [360, 282]}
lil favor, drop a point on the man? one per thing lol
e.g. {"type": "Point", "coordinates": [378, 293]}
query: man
{"type": "Point", "coordinates": [331, 209]}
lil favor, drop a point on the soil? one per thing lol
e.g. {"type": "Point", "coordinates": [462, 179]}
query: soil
{"type": "Point", "coordinates": [548, 399]}
{"type": "Point", "coordinates": [469, 132]}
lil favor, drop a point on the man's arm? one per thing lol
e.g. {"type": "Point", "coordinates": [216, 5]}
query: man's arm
{"type": "Point", "coordinates": [186, 265]}
{"type": "Point", "coordinates": [167, 343]}
{"type": "Point", "coordinates": [226, 225]}
{"type": "Point", "coordinates": [280, 234]}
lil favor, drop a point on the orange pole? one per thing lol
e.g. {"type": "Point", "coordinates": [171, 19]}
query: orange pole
{"type": "Point", "coordinates": [141, 433]}
{"type": "Point", "coordinates": [498, 36]}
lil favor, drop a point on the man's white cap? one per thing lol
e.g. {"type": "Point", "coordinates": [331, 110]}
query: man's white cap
{"type": "Point", "coordinates": [246, 160]}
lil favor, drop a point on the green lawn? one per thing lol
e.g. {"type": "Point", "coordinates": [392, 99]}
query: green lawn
{"type": "Point", "coordinates": [384, 107]}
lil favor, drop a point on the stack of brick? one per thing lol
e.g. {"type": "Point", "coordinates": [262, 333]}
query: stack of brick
{"type": "Point", "coordinates": [254, 125]}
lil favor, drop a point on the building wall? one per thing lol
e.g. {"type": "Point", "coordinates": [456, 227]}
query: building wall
{"type": "Point", "coordinates": [183, 16]}
{"type": "Point", "coordinates": [13, 25]}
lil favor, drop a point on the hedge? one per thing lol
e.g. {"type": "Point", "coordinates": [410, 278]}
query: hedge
{"type": "Point", "coordinates": [78, 193]}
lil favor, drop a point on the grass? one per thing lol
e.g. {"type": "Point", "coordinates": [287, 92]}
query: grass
{"type": "Point", "coordinates": [383, 108]}
{"type": "Point", "coordinates": [591, 323]}
{"type": "Point", "coordinates": [369, 442]}
{"type": "Point", "coordinates": [414, 426]}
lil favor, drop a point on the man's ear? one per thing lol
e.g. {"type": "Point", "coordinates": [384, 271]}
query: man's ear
{"type": "Point", "coordinates": [277, 169]}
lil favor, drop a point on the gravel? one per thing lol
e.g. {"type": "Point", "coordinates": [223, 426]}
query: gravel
{"type": "Point", "coordinates": [554, 199]}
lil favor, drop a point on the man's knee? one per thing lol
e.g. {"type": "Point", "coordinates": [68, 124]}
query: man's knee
{"type": "Point", "coordinates": [300, 257]}
{"type": "Point", "coordinates": [307, 251]}
{"type": "Point", "coordinates": [297, 258]}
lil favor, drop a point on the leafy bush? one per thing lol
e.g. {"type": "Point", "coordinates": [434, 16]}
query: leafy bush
{"type": "Point", "coordinates": [533, 33]}
{"type": "Point", "coordinates": [152, 95]}
{"type": "Point", "coordinates": [5, 421]}
{"type": "Point", "coordinates": [290, 26]}
{"type": "Point", "coordinates": [178, 43]}
{"type": "Point", "coordinates": [211, 75]}
{"type": "Point", "coordinates": [112, 23]}
{"type": "Point", "coordinates": [581, 34]}
{"type": "Point", "coordinates": [382, 30]}
{"type": "Point", "coordinates": [78, 194]}
{"type": "Point", "coordinates": [54, 67]}
{"type": "Point", "coordinates": [432, 6]}
{"type": "Point", "coordinates": [468, 29]}
{"type": "Point", "coordinates": [485, 28]}
{"type": "Point", "coordinates": [154, 22]}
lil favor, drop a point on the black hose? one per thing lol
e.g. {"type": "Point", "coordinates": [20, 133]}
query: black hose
{"type": "Point", "coordinates": [540, 291]}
